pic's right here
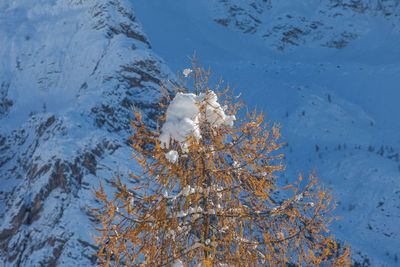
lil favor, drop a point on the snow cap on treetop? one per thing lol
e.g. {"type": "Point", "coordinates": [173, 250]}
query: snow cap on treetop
{"type": "Point", "coordinates": [183, 116]}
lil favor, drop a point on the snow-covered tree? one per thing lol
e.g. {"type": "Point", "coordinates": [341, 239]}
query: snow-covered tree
{"type": "Point", "coordinates": [206, 193]}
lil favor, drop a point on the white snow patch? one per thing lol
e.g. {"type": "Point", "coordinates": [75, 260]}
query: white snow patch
{"type": "Point", "coordinates": [183, 116]}
{"type": "Point", "coordinates": [186, 72]}
{"type": "Point", "coordinates": [177, 263]}
{"type": "Point", "coordinates": [215, 114]}
{"type": "Point", "coordinates": [182, 119]}
{"type": "Point", "coordinates": [172, 156]}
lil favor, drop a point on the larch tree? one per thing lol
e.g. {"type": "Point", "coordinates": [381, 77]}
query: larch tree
{"type": "Point", "coordinates": [205, 195]}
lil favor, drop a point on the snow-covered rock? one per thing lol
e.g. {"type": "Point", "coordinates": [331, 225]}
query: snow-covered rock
{"type": "Point", "coordinates": [287, 24]}
{"type": "Point", "coordinates": [69, 71]}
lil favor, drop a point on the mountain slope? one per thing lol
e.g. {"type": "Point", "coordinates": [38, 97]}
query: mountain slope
{"type": "Point", "coordinates": [332, 86]}
{"type": "Point", "coordinates": [287, 24]}
{"type": "Point", "coordinates": [69, 72]}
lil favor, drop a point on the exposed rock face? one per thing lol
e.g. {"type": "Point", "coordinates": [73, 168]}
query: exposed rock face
{"type": "Point", "coordinates": [5, 103]}
{"type": "Point", "coordinates": [69, 72]}
{"type": "Point", "coordinates": [283, 25]}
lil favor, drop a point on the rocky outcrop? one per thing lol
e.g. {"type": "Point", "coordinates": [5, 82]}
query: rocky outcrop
{"type": "Point", "coordinates": [72, 69]}
{"type": "Point", "coordinates": [283, 25]}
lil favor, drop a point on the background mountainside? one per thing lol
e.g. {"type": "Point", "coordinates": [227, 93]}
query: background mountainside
{"type": "Point", "coordinates": [69, 73]}
{"type": "Point", "coordinates": [327, 70]}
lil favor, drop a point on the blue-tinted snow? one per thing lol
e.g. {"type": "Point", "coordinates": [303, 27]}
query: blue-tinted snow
{"type": "Point", "coordinates": [338, 108]}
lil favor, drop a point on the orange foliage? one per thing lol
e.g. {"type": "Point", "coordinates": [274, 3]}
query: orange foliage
{"type": "Point", "coordinates": [214, 205]}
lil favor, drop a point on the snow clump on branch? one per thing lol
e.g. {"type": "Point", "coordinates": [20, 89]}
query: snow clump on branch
{"type": "Point", "coordinates": [186, 72]}
{"type": "Point", "coordinates": [172, 156]}
{"type": "Point", "coordinates": [183, 117]}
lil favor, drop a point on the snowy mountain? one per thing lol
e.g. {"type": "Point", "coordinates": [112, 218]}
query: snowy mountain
{"type": "Point", "coordinates": [69, 70]}
{"type": "Point", "coordinates": [284, 24]}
